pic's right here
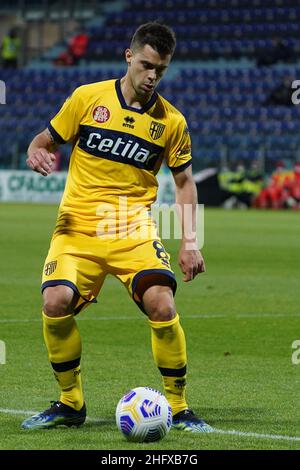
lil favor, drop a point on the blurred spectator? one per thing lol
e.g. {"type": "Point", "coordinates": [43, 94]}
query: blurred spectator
{"type": "Point", "coordinates": [292, 189]}
{"type": "Point", "coordinates": [78, 46]}
{"type": "Point", "coordinates": [76, 50]}
{"type": "Point", "coordinates": [279, 52]}
{"type": "Point", "coordinates": [254, 179]}
{"type": "Point", "coordinates": [274, 195]}
{"type": "Point", "coordinates": [241, 184]}
{"type": "Point", "coordinates": [282, 94]}
{"type": "Point", "coordinates": [64, 58]}
{"type": "Point", "coordinates": [10, 49]}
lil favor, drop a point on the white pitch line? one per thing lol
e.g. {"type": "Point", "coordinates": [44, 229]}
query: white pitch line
{"type": "Point", "coordinates": [243, 315]}
{"type": "Point", "coordinates": [39, 320]}
{"type": "Point", "coordinates": [31, 413]}
{"type": "Point", "coordinates": [104, 318]}
{"type": "Point", "coordinates": [267, 315]}
{"type": "Point", "coordinates": [190, 317]}
{"type": "Point", "coordinates": [216, 431]}
{"type": "Point", "coordinates": [257, 435]}
{"type": "Point", "coordinates": [16, 412]}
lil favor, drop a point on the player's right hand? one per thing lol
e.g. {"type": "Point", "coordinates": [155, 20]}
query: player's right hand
{"type": "Point", "coordinates": [41, 161]}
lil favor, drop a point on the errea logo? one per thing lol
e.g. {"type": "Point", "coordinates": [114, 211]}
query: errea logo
{"type": "Point", "coordinates": [129, 122]}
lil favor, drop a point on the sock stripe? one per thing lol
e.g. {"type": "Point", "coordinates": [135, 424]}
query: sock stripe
{"type": "Point", "coordinates": [172, 372]}
{"type": "Point", "coordinates": [64, 366]}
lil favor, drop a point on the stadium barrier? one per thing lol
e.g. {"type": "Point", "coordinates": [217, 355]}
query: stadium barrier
{"type": "Point", "coordinates": [27, 186]}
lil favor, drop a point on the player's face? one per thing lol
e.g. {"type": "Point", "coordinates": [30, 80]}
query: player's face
{"type": "Point", "coordinates": [146, 68]}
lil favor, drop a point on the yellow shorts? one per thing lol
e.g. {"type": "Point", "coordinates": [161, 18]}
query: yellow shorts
{"type": "Point", "coordinates": [82, 263]}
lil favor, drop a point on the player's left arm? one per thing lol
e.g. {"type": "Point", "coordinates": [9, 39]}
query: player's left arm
{"type": "Point", "coordinates": [190, 259]}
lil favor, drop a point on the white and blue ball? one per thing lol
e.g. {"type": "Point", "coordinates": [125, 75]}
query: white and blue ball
{"type": "Point", "coordinates": [144, 415]}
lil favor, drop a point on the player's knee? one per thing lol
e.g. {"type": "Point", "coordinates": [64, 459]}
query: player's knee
{"type": "Point", "coordinates": [158, 302]}
{"type": "Point", "coordinates": [56, 307]}
{"type": "Point", "coordinates": [162, 311]}
{"type": "Point", "coordinates": [58, 302]}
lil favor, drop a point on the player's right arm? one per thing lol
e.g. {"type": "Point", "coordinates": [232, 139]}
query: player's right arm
{"type": "Point", "coordinates": [40, 156]}
{"type": "Point", "coordinates": [62, 128]}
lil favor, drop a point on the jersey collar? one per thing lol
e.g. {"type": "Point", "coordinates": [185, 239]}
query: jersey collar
{"type": "Point", "coordinates": [130, 108]}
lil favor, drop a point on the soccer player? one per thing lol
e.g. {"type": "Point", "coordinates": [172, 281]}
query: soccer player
{"type": "Point", "coordinates": [121, 132]}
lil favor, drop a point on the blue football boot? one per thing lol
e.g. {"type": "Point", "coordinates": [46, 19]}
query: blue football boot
{"type": "Point", "coordinates": [187, 421]}
{"type": "Point", "coordinates": [58, 414]}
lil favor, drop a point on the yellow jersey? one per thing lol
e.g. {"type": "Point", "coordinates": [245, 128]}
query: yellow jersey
{"type": "Point", "coordinates": [117, 152]}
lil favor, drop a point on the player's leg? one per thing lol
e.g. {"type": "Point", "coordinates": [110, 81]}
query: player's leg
{"type": "Point", "coordinates": [168, 342]}
{"type": "Point", "coordinates": [70, 282]}
{"type": "Point", "coordinates": [147, 274]}
{"type": "Point", "coordinates": [169, 352]}
{"type": "Point", "coordinates": [63, 343]}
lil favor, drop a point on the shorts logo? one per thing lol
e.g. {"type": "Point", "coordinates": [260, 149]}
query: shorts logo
{"type": "Point", "coordinates": [101, 114]}
{"type": "Point", "coordinates": [161, 253]}
{"type": "Point", "coordinates": [156, 130]}
{"type": "Point", "coordinates": [50, 268]}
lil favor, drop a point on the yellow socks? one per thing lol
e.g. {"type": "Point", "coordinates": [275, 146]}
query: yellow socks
{"type": "Point", "coordinates": [64, 349]}
{"type": "Point", "coordinates": [169, 352]}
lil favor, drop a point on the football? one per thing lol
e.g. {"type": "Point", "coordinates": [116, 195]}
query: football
{"type": "Point", "coordinates": [144, 415]}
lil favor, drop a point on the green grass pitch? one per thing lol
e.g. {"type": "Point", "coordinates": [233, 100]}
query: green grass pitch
{"type": "Point", "coordinates": [240, 319]}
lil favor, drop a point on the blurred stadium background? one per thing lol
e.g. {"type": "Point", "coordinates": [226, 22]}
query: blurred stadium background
{"type": "Point", "coordinates": [231, 77]}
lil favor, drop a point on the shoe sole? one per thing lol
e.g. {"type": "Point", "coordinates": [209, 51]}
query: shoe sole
{"type": "Point", "coordinates": [194, 429]}
{"type": "Point", "coordinates": [53, 426]}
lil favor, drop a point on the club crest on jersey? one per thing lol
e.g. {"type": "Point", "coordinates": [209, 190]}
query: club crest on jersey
{"type": "Point", "coordinates": [156, 130]}
{"type": "Point", "coordinates": [101, 114]}
{"type": "Point", "coordinates": [50, 268]}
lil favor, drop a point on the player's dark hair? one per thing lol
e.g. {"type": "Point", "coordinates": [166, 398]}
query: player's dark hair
{"type": "Point", "coordinates": [159, 36]}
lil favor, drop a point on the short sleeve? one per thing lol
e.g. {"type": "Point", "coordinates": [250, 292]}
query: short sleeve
{"type": "Point", "coordinates": [65, 125]}
{"type": "Point", "coordinates": [178, 156]}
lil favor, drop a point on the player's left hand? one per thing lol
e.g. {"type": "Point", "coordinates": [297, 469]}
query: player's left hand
{"type": "Point", "coordinates": [191, 263]}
